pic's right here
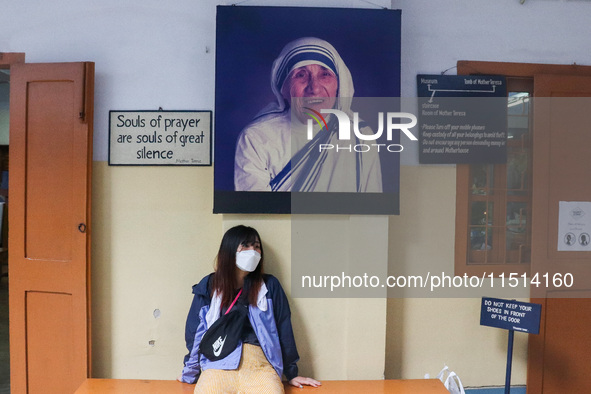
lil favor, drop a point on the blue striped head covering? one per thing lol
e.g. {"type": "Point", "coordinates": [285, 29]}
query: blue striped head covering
{"type": "Point", "coordinates": [301, 52]}
{"type": "Point", "coordinates": [303, 55]}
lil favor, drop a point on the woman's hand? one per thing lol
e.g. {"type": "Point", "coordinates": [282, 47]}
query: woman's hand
{"type": "Point", "coordinates": [300, 381]}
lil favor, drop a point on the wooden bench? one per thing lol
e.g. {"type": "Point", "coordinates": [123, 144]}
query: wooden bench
{"type": "Point", "coordinates": [125, 386]}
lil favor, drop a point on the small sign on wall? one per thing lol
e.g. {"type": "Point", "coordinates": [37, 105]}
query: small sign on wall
{"type": "Point", "coordinates": [462, 119]}
{"type": "Point", "coordinates": [574, 226]}
{"type": "Point", "coordinates": [160, 138]}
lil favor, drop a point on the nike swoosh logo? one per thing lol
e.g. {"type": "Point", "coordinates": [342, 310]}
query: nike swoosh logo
{"type": "Point", "coordinates": [220, 342]}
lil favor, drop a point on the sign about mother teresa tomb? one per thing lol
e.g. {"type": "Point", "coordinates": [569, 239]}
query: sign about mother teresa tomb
{"type": "Point", "coordinates": [291, 133]}
{"type": "Point", "coordinates": [462, 119]}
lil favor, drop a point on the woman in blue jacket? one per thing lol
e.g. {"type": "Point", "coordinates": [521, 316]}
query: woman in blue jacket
{"type": "Point", "coordinates": [267, 349]}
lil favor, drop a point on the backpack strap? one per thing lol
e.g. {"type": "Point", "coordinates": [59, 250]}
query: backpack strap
{"type": "Point", "coordinates": [233, 302]}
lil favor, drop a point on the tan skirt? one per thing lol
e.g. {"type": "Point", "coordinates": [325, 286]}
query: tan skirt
{"type": "Point", "coordinates": [254, 375]}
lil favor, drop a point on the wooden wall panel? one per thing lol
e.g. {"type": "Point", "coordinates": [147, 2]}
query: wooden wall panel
{"type": "Point", "coordinates": [49, 176]}
{"type": "Point", "coordinates": [50, 342]}
{"type": "Point", "coordinates": [50, 172]}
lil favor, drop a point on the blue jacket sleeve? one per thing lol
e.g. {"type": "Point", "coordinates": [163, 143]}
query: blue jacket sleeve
{"type": "Point", "coordinates": [201, 298]}
{"type": "Point", "coordinates": [282, 315]}
{"type": "Point", "coordinates": [192, 367]}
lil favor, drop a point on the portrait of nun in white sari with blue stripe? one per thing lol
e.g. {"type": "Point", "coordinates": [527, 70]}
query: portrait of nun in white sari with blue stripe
{"type": "Point", "coordinates": [275, 151]}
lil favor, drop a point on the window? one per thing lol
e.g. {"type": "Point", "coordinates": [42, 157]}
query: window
{"type": "Point", "coordinates": [493, 201]}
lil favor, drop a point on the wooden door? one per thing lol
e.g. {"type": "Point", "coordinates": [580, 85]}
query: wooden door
{"type": "Point", "coordinates": [559, 359]}
{"type": "Point", "coordinates": [51, 113]}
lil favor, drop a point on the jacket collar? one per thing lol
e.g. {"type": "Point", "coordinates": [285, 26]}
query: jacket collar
{"type": "Point", "coordinates": [216, 305]}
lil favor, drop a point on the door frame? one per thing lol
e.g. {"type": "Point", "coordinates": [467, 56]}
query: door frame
{"type": "Point", "coordinates": [86, 106]}
{"type": "Point", "coordinates": [7, 60]}
{"type": "Point", "coordinates": [536, 344]}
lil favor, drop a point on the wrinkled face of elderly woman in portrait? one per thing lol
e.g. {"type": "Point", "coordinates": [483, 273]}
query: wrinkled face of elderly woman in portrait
{"type": "Point", "coordinates": [313, 86]}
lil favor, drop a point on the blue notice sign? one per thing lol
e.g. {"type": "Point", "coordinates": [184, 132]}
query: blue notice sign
{"type": "Point", "coordinates": [462, 119]}
{"type": "Point", "coordinates": [510, 315]}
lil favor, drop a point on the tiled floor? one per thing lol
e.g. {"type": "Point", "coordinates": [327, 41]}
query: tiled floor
{"type": "Point", "coordinates": [4, 355]}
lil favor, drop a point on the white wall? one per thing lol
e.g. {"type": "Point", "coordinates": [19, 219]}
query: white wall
{"type": "Point", "coordinates": [424, 334]}
{"type": "Point", "coordinates": [436, 34]}
{"type": "Point", "coordinates": [153, 231]}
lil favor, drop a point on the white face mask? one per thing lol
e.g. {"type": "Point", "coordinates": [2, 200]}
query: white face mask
{"type": "Point", "coordinates": [248, 260]}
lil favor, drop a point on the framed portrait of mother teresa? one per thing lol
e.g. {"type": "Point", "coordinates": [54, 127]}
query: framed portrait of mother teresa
{"type": "Point", "coordinates": [300, 98]}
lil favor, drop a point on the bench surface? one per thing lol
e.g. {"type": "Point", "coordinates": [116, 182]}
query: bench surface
{"type": "Point", "coordinates": [128, 386]}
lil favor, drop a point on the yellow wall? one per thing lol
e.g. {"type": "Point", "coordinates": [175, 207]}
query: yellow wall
{"type": "Point", "coordinates": [424, 334]}
{"type": "Point", "coordinates": [154, 236]}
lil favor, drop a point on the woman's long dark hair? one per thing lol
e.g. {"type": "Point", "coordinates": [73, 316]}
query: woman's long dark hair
{"type": "Point", "coordinates": [224, 279]}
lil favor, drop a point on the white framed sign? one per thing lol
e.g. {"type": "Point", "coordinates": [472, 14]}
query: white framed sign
{"type": "Point", "coordinates": [574, 226]}
{"type": "Point", "coordinates": [160, 138]}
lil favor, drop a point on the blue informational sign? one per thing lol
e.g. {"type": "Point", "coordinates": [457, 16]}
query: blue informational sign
{"type": "Point", "coordinates": [510, 315]}
{"type": "Point", "coordinates": [462, 119]}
